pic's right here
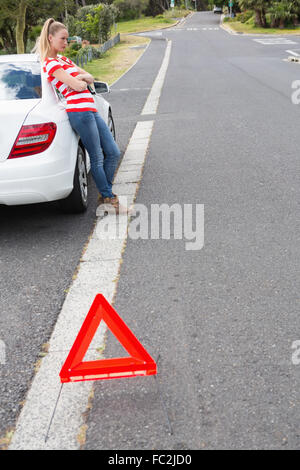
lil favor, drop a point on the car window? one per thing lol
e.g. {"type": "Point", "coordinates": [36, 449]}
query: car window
{"type": "Point", "coordinates": [20, 81]}
{"type": "Point", "coordinates": [60, 95]}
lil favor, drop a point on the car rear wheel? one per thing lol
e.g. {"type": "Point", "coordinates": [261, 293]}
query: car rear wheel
{"type": "Point", "coordinates": [77, 201]}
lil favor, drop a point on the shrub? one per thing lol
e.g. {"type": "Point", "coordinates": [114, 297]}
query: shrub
{"type": "Point", "coordinates": [34, 32]}
{"type": "Point", "coordinates": [244, 16]}
{"type": "Point", "coordinates": [96, 53]}
{"type": "Point", "coordinates": [74, 54]}
{"type": "Point", "coordinates": [108, 15]}
{"type": "Point", "coordinates": [175, 13]}
{"type": "Point", "coordinates": [130, 9]}
{"type": "Point", "coordinates": [74, 46]}
{"type": "Point", "coordinates": [95, 21]}
{"type": "Point", "coordinates": [70, 53]}
{"type": "Point", "coordinates": [71, 24]}
{"type": "Point", "coordinates": [251, 21]}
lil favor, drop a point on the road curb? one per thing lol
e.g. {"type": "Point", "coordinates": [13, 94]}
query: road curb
{"type": "Point", "coordinates": [98, 271]}
{"type": "Point", "coordinates": [227, 28]}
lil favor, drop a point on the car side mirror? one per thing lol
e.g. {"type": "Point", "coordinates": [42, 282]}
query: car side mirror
{"type": "Point", "coordinates": [101, 87]}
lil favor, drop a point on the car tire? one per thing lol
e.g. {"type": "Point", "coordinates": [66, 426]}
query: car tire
{"type": "Point", "coordinates": [111, 124]}
{"type": "Point", "coordinates": [77, 201]}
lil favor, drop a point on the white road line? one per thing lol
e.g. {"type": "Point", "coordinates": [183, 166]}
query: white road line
{"type": "Point", "coordinates": [195, 29]}
{"type": "Point", "coordinates": [150, 34]}
{"type": "Point", "coordinates": [274, 41]}
{"type": "Point", "coordinates": [293, 53]}
{"type": "Point", "coordinates": [132, 89]}
{"type": "Point", "coordinates": [97, 273]}
{"type": "Point", "coordinates": [151, 104]}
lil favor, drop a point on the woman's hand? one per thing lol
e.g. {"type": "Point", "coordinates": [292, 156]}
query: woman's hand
{"type": "Point", "coordinates": [82, 85]}
{"type": "Point", "coordinates": [72, 82]}
{"type": "Point", "coordinates": [79, 86]}
{"type": "Point", "coordinates": [86, 77]}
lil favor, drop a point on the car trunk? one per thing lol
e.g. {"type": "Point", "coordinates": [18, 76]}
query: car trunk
{"type": "Point", "coordinates": [12, 116]}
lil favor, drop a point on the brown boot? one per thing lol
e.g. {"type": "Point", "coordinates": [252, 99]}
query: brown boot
{"type": "Point", "coordinates": [112, 204]}
{"type": "Point", "coordinates": [101, 198]}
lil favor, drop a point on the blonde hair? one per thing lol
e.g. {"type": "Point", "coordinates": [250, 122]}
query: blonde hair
{"type": "Point", "coordinates": [42, 46]}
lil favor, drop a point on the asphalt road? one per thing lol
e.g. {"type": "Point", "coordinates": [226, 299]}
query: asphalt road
{"type": "Point", "coordinates": [40, 251]}
{"type": "Point", "coordinates": [222, 319]}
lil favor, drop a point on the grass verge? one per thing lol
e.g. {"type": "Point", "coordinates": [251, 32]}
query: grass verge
{"type": "Point", "coordinates": [252, 29]}
{"type": "Point", "coordinates": [117, 60]}
{"type": "Point", "coordinates": [144, 24]}
{"type": "Point", "coordinates": [148, 23]}
{"type": "Point", "coordinates": [120, 58]}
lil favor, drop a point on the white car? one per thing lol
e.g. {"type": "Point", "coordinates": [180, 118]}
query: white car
{"type": "Point", "coordinates": [41, 158]}
{"type": "Point", "coordinates": [217, 9]}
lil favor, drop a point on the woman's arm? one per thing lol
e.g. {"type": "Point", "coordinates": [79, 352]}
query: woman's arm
{"type": "Point", "coordinates": [83, 75]}
{"type": "Point", "coordinates": [73, 82]}
{"type": "Point", "coordinates": [86, 77]}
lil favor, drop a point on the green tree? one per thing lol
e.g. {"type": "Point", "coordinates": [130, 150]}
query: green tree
{"type": "Point", "coordinates": [217, 3]}
{"type": "Point", "coordinates": [20, 27]}
{"type": "Point", "coordinates": [17, 17]}
{"type": "Point", "coordinates": [283, 12]}
{"type": "Point", "coordinates": [259, 7]}
{"type": "Point", "coordinates": [130, 9]}
{"type": "Point", "coordinates": [202, 5]}
{"type": "Point", "coordinates": [97, 21]}
{"type": "Point", "coordinates": [7, 27]}
{"type": "Point", "coordinates": [13, 14]}
{"type": "Point", "coordinates": [79, 26]}
{"type": "Point", "coordinates": [106, 21]}
{"type": "Point", "coordinates": [92, 21]}
{"type": "Point", "coordinates": [157, 7]}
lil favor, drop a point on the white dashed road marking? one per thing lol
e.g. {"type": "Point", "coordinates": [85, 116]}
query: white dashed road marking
{"type": "Point", "coordinates": [154, 95]}
{"type": "Point", "coordinates": [274, 41]}
{"type": "Point", "coordinates": [194, 29]}
{"type": "Point", "coordinates": [293, 53]}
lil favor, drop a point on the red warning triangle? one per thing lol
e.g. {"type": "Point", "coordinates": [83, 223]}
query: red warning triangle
{"type": "Point", "coordinates": [139, 362]}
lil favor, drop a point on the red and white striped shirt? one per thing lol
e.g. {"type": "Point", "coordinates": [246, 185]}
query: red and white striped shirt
{"type": "Point", "coordinates": [77, 101]}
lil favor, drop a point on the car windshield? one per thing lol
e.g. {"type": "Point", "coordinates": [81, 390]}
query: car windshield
{"type": "Point", "coordinates": [20, 81]}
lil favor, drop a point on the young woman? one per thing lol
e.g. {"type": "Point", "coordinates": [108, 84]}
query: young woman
{"type": "Point", "coordinates": [84, 118]}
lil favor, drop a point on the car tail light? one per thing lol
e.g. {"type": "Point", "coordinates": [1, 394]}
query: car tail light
{"type": "Point", "coordinates": [32, 139]}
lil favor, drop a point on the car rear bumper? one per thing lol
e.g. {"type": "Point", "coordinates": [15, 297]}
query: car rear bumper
{"type": "Point", "coordinates": [35, 190]}
{"type": "Point", "coordinates": [34, 179]}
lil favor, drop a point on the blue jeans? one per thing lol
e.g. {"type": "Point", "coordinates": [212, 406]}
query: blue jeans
{"type": "Point", "coordinates": [98, 140]}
